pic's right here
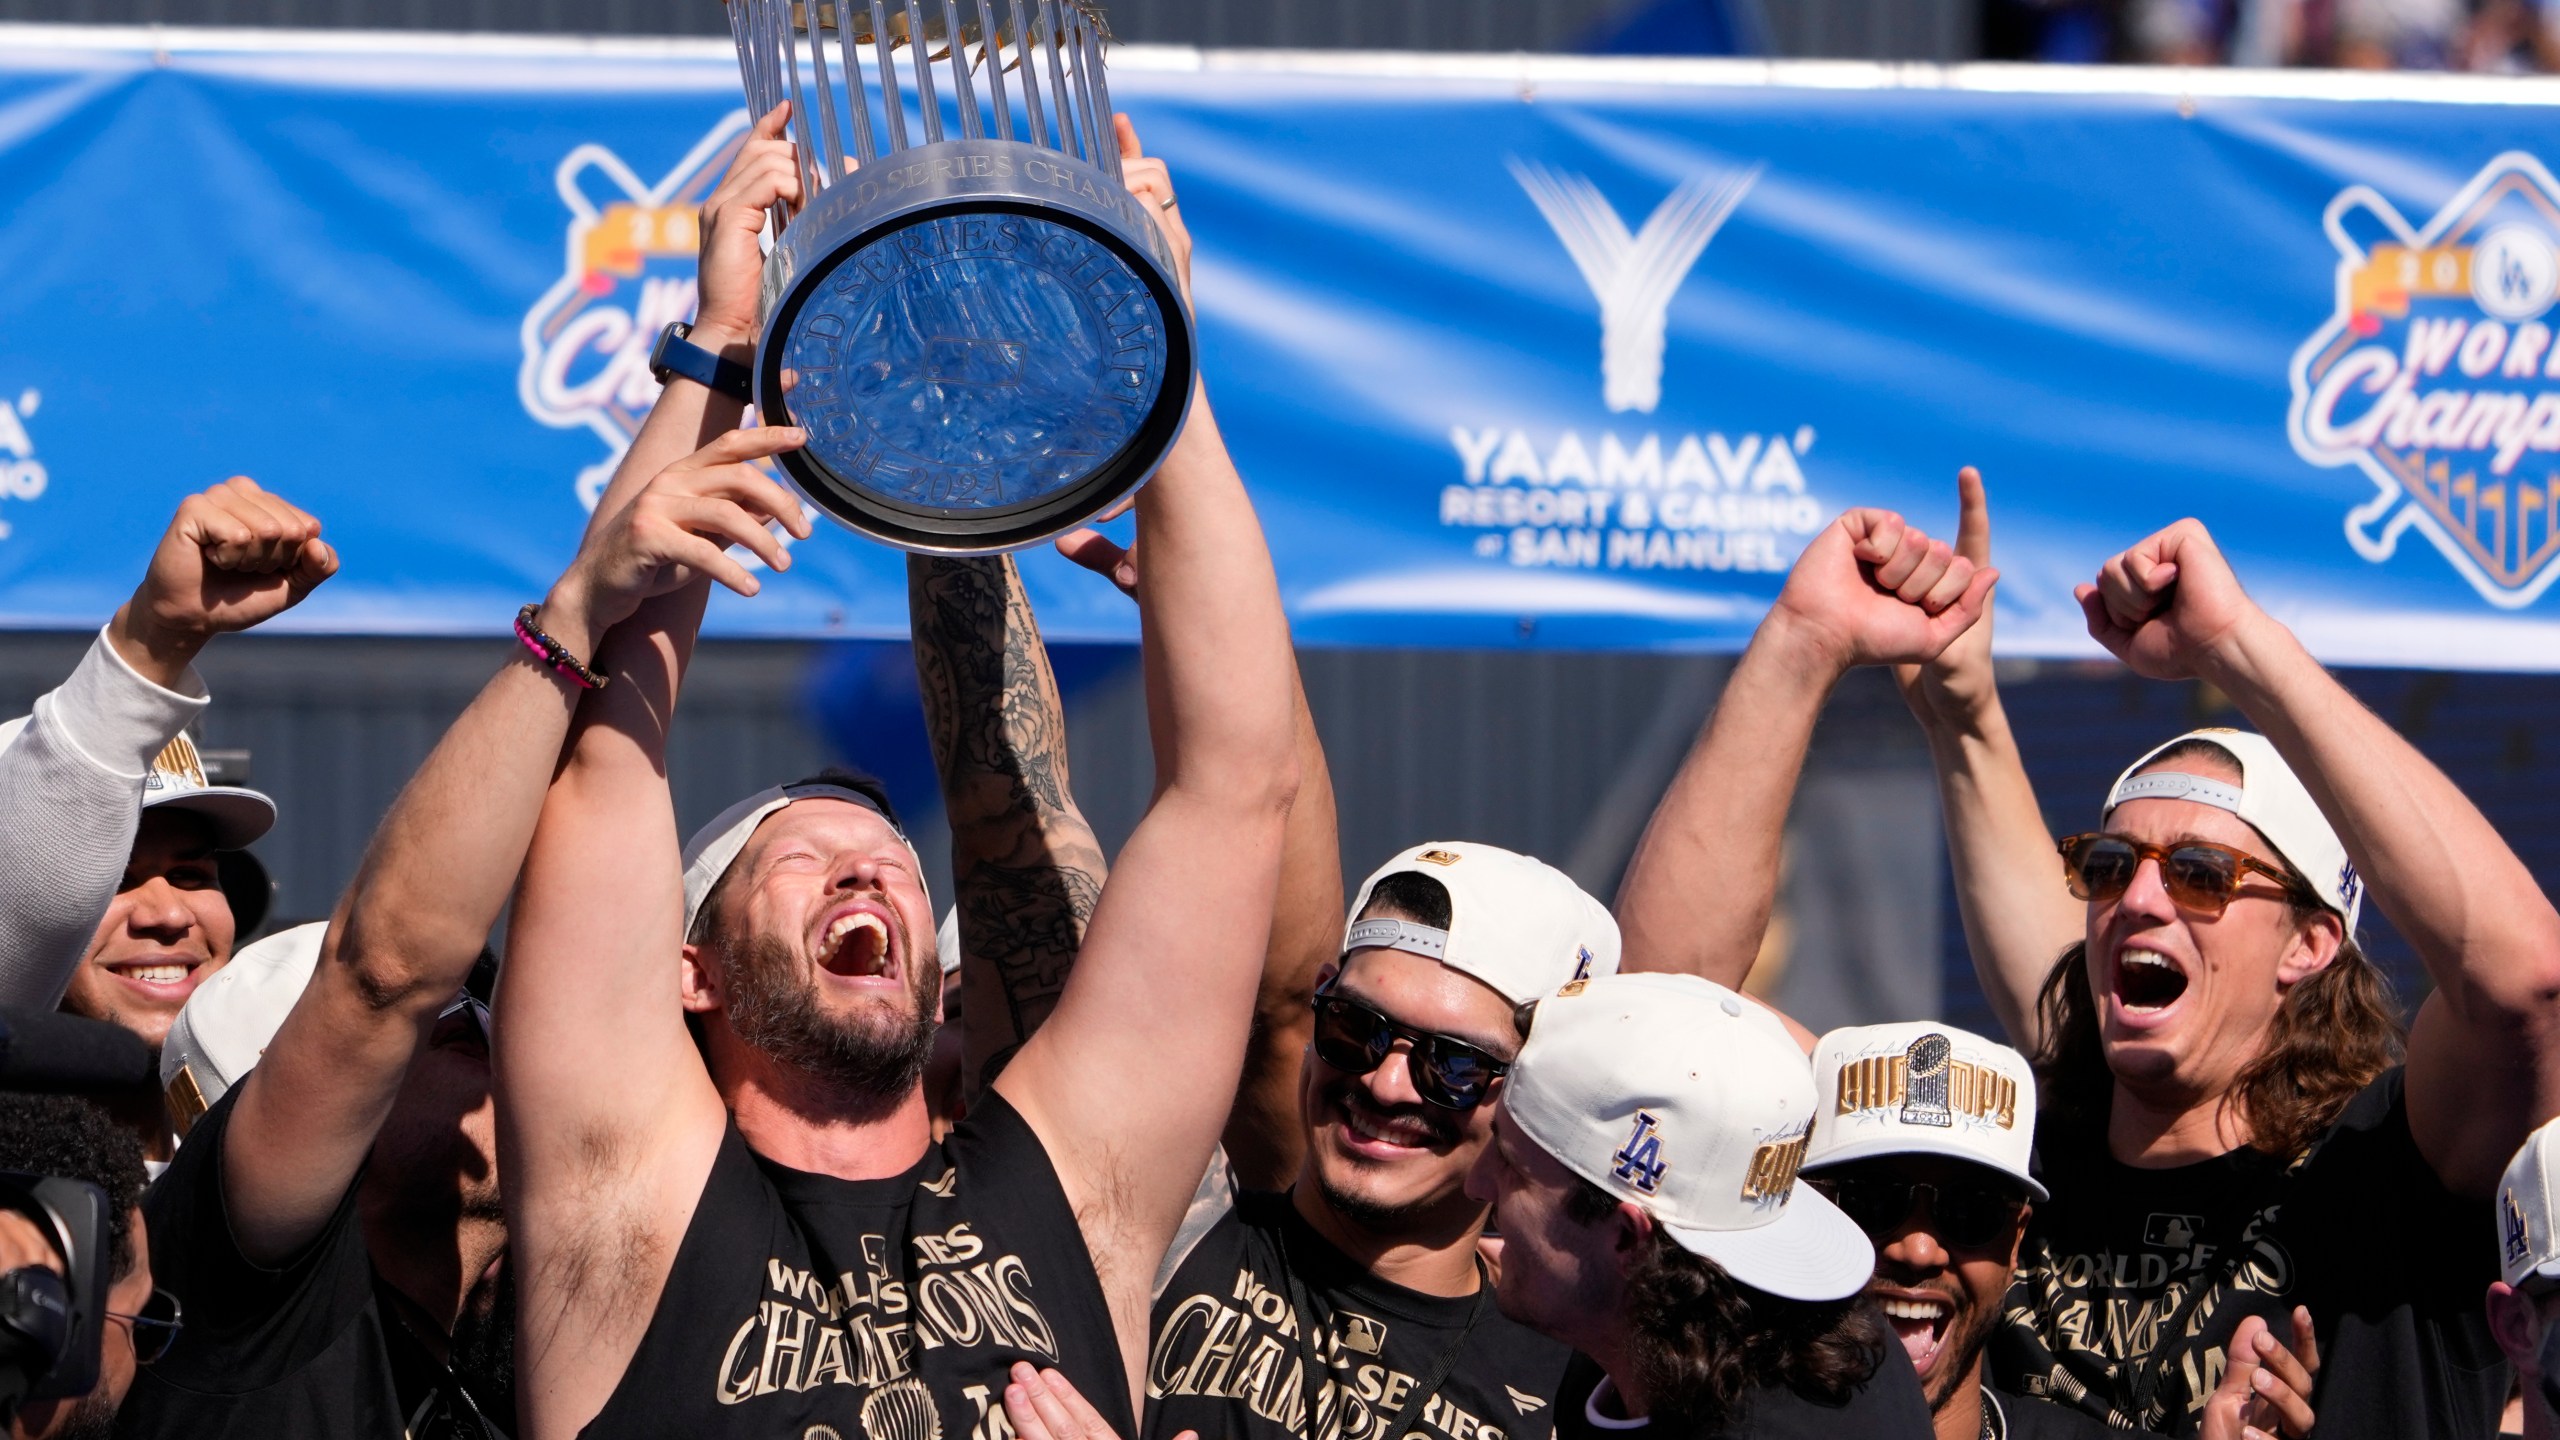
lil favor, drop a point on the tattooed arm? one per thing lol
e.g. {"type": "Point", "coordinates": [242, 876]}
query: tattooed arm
{"type": "Point", "coordinates": [1025, 867]}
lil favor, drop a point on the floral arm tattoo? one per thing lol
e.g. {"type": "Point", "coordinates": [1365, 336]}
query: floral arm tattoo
{"type": "Point", "coordinates": [1026, 867]}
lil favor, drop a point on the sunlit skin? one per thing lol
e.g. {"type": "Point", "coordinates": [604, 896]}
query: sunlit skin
{"type": "Point", "coordinates": [1560, 1277]}
{"type": "Point", "coordinates": [2521, 1320]}
{"type": "Point", "coordinates": [169, 911]}
{"type": "Point", "coordinates": [1916, 1265]}
{"type": "Point", "coordinates": [44, 1419]}
{"type": "Point", "coordinates": [2175, 1064]}
{"type": "Point", "coordinates": [808, 866]}
{"type": "Point", "coordinates": [1385, 1176]}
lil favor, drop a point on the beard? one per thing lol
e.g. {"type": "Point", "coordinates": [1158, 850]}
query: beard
{"type": "Point", "coordinates": [1968, 1335]}
{"type": "Point", "coordinates": [483, 1355]}
{"type": "Point", "coordinates": [773, 1004]}
{"type": "Point", "coordinates": [91, 1417]}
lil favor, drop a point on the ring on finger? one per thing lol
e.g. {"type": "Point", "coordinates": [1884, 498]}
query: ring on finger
{"type": "Point", "coordinates": [1166, 203]}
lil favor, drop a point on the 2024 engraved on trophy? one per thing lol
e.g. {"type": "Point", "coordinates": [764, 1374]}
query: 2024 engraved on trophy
{"type": "Point", "coordinates": [981, 328]}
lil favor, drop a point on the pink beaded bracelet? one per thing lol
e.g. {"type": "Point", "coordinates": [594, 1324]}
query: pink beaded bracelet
{"type": "Point", "coordinates": [551, 652]}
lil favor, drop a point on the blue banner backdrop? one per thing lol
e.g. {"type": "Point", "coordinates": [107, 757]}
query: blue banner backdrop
{"type": "Point", "coordinates": [1568, 353]}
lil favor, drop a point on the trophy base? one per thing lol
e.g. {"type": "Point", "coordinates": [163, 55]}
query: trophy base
{"type": "Point", "coordinates": [981, 355]}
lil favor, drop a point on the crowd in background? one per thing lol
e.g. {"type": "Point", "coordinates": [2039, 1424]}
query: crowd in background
{"type": "Point", "coordinates": [2497, 37]}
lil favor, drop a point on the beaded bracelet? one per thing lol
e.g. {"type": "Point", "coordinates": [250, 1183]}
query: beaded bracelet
{"type": "Point", "coordinates": [551, 652]}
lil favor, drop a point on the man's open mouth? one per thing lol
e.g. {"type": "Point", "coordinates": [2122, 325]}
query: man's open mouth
{"type": "Point", "coordinates": [858, 945]}
{"type": "Point", "coordinates": [2148, 980]}
{"type": "Point", "coordinates": [1921, 1326]}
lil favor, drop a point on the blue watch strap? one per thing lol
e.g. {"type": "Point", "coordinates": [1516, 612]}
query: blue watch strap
{"type": "Point", "coordinates": [676, 354]}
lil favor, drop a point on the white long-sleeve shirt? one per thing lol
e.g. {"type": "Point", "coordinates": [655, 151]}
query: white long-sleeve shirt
{"type": "Point", "coordinates": [70, 804]}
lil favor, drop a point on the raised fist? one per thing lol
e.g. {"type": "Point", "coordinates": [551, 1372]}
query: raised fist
{"type": "Point", "coordinates": [1871, 590]}
{"type": "Point", "coordinates": [234, 556]}
{"type": "Point", "coordinates": [2167, 603]}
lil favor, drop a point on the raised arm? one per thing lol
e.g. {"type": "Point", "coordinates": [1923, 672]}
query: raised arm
{"type": "Point", "coordinates": [1025, 867]}
{"type": "Point", "coordinates": [611, 1120]}
{"type": "Point", "coordinates": [2018, 915]}
{"type": "Point", "coordinates": [1869, 590]}
{"type": "Point", "coordinates": [1263, 1138]}
{"type": "Point", "coordinates": [1128, 1082]}
{"type": "Point", "coordinates": [411, 925]}
{"type": "Point", "coordinates": [71, 782]}
{"type": "Point", "coordinates": [2484, 1052]}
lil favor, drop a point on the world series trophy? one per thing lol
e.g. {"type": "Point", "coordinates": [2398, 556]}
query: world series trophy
{"type": "Point", "coordinates": [977, 325]}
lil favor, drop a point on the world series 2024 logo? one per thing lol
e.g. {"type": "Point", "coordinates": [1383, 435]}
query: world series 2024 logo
{"type": "Point", "coordinates": [630, 271]}
{"type": "Point", "coordinates": [2438, 376]}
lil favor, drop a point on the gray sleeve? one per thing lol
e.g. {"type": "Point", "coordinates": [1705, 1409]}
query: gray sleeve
{"type": "Point", "coordinates": [70, 802]}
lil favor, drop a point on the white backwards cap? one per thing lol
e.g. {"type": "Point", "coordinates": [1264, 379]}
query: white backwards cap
{"type": "Point", "coordinates": [1689, 1100]}
{"type": "Point", "coordinates": [1516, 923]}
{"type": "Point", "coordinates": [2529, 1210]}
{"type": "Point", "coordinates": [2269, 796]}
{"type": "Point", "coordinates": [1922, 1088]}
{"type": "Point", "coordinates": [225, 1025]}
{"type": "Point", "coordinates": [714, 847]}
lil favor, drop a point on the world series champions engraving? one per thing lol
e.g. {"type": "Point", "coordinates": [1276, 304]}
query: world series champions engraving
{"type": "Point", "coordinates": [980, 331]}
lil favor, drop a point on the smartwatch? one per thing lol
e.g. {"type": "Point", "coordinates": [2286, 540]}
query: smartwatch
{"type": "Point", "coordinates": [676, 354]}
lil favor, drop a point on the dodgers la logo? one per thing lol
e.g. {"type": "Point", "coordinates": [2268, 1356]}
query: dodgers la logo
{"type": "Point", "coordinates": [2437, 376]}
{"type": "Point", "coordinates": [630, 272]}
{"type": "Point", "coordinates": [1633, 275]}
{"type": "Point", "coordinates": [1639, 1161]}
{"type": "Point", "coordinates": [2511, 1227]}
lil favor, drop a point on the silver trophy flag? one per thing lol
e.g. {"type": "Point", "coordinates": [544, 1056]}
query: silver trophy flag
{"type": "Point", "coordinates": [978, 326]}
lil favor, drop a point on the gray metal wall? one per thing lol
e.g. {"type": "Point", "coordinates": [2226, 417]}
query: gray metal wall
{"type": "Point", "coordinates": [1837, 29]}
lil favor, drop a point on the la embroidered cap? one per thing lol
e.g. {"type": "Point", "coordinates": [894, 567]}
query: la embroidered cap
{"type": "Point", "coordinates": [225, 1025]}
{"type": "Point", "coordinates": [2529, 1209]}
{"type": "Point", "coordinates": [714, 847]}
{"type": "Point", "coordinates": [176, 779]}
{"type": "Point", "coordinates": [2269, 796]}
{"type": "Point", "coordinates": [1683, 1097]}
{"type": "Point", "coordinates": [1922, 1088]}
{"type": "Point", "coordinates": [1516, 923]}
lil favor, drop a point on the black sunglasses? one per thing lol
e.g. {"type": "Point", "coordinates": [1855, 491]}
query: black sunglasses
{"type": "Point", "coordinates": [1449, 1073]}
{"type": "Point", "coordinates": [156, 1328]}
{"type": "Point", "coordinates": [1973, 1215]}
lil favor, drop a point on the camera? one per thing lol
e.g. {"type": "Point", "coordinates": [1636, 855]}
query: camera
{"type": "Point", "coordinates": [50, 1325]}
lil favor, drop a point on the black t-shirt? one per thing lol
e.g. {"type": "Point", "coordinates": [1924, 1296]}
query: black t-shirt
{"type": "Point", "coordinates": [892, 1309]}
{"type": "Point", "coordinates": [305, 1349]}
{"type": "Point", "coordinates": [2391, 1265]}
{"type": "Point", "coordinates": [2024, 1417]}
{"type": "Point", "coordinates": [1229, 1358]}
{"type": "Point", "coordinates": [1889, 1406]}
